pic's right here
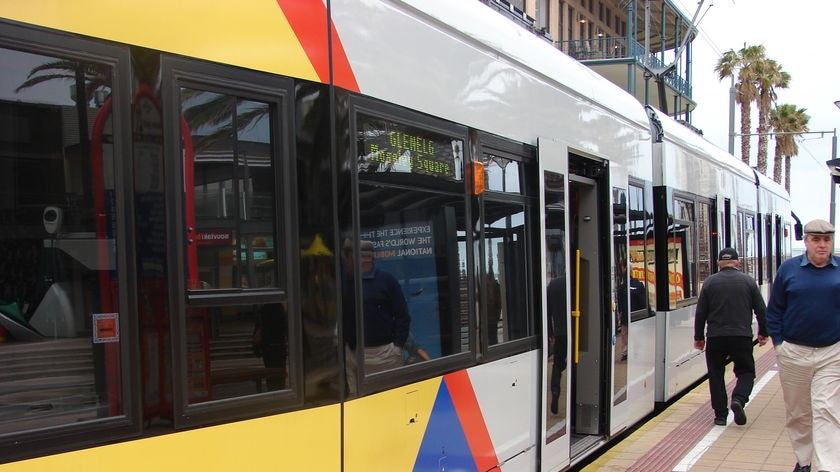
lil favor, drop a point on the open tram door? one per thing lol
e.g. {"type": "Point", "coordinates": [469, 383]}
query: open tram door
{"type": "Point", "coordinates": [590, 312]}
{"type": "Point", "coordinates": [556, 434]}
{"type": "Point", "coordinates": [573, 196]}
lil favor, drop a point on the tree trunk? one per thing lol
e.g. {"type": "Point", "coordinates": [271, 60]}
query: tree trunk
{"type": "Point", "coordinates": [787, 174]}
{"type": "Point", "coordinates": [777, 163]}
{"type": "Point", "coordinates": [745, 133]}
{"type": "Point", "coordinates": [761, 158]}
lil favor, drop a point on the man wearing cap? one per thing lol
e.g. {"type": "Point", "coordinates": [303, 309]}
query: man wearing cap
{"type": "Point", "coordinates": [803, 318]}
{"type": "Point", "coordinates": [386, 319]}
{"type": "Point", "coordinates": [725, 310]}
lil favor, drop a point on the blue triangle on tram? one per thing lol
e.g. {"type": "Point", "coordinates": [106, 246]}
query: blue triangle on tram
{"type": "Point", "coordinates": [444, 445]}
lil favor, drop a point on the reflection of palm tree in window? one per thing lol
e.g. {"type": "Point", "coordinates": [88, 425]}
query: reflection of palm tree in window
{"type": "Point", "coordinates": [219, 116]}
{"type": "Point", "coordinates": [93, 79]}
{"type": "Point", "coordinates": [89, 90]}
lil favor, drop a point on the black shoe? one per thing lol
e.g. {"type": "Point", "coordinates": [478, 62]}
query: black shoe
{"type": "Point", "coordinates": [802, 468]}
{"type": "Point", "coordinates": [720, 420]}
{"type": "Point", "coordinates": [738, 410]}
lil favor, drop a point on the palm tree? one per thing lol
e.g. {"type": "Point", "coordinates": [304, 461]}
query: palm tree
{"type": "Point", "coordinates": [769, 76]}
{"type": "Point", "coordinates": [787, 121]}
{"type": "Point", "coordinates": [740, 63]}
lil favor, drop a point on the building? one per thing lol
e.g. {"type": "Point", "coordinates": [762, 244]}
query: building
{"type": "Point", "coordinates": [643, 46]}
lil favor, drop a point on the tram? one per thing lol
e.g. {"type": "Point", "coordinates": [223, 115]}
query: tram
{"type": "Point", "coordinates": [182, 182]}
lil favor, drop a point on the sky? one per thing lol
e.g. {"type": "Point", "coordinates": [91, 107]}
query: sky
{"type": "Point", "coordinates": [800, 36]}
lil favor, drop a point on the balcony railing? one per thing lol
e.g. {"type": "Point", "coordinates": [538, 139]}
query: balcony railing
{"type": "Point", "coordinates": [620, 48]}
{"type": "Point", "coordinates": [596, 48]}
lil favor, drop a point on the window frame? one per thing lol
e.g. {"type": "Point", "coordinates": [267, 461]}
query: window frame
{"type": "Point", "coordinates": [357, 104]}
{"type": "Point", "coordinates": [704, 236]}
{"type": "Point", "coordinates": [664, 219]}
{"type": "Point", "coordinates": [767, 251]}
{"type": "Point", "coordinates": [525, 155]}
{"type": "Point", "coordinates": [748, 242]}
{"type": "Point", "coordinates": [277, 91]}
{"type": "Point", "coordinates": [690, 295]}
{"type": "Point", "coordinates": [642, 187]}
{"type": "Point", "coordinates": [71, 436]}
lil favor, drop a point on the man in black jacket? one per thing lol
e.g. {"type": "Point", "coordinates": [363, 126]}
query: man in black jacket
{"type": "Point", "coordinates": [725, 310]}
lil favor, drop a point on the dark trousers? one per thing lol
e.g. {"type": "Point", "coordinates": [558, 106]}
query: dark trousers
{"type": "Point", "coordinates": [739, 349]}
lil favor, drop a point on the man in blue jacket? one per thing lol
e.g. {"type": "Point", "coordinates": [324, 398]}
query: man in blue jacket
{"type": "Point", "coordinates": [385, 315]}
{"type": "Point", "coordinates": [725, 309]}
{"type": "Point", "coordinates": [803, 318]}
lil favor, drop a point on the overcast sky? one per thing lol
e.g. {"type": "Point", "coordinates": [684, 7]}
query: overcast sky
{"type": "Point", "coordinates": [802, 37]}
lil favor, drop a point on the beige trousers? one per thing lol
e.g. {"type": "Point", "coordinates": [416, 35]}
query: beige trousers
{"type": "Point", "coordinates": [377, 358]}
{"type": "Point", "coordinates": [810, 378]}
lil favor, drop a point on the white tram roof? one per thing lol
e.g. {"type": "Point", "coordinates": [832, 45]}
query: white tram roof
{"type": "Point", "coordinates": [465, 62]}
{"type": "Point", "coordinates": [689, 162]}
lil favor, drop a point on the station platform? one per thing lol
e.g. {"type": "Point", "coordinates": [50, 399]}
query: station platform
{"type": "Point", "coordinates": [684, 437]}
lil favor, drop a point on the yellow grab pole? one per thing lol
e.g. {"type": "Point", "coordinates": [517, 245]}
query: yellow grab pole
{"type": "Point", "coordinates": [576, 311]}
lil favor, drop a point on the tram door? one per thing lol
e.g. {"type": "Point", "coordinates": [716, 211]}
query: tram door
{"type": "Point", "coordinates": [590, 316]}
{"type": "Point", "coordinates": [575, 381]}
{"type": "Point", "coordinates": [555, 256]}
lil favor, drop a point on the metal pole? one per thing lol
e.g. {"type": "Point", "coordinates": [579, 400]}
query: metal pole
{"type": "Point", "coordinates": [732, 117]}
{"type": "Point", "coordinates": [833, 204]}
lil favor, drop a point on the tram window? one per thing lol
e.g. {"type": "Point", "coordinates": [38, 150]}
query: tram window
{"type": "Point", "coordinates": [234, 341]}
{"type": "Point", "coordinates": [750, 243]}
{"type": "Point", "coordinates": [628, 291]}
{"type": "Point", "coordinates": [61, 320]}
{"type": "Point", "coordinates": [682, 238]}
{"type": "Point", "coordinates": [232, 173]}
{"type": "Point", "coordinates": [505, 273]}
{"type": "Point", "coordinates": [412, 208]}
{"type": "Point", "coordinates": [640, 253]}
{"type": "Point", "coordinates": [501, 174]}
{"type": "Point", "coordinates": [505, 304]}
{"type": "Point", "coordinates": [739, 236]}
{"type": "Point", "coordinates": [750, 246]}
{"type": "Point", "coordinates": [768, 253]}
{"type": "Point", "coordinates": [704, 242]}
{"type": "Point", "coordinates": [778, 242]}
{"type": "Point", "coordinates": [420, 248]}
{"type": "Point", "coordinates": [233, 372]}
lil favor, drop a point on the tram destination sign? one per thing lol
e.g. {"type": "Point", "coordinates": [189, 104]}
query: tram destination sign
{"type": "Point", "coordinates": [388, 146]}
